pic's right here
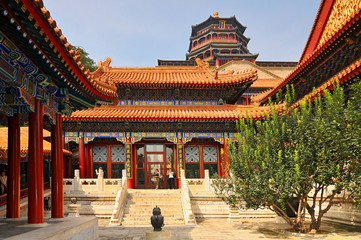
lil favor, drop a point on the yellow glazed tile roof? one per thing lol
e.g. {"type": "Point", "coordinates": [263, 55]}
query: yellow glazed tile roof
{"type": "Point", "coordinates": [206, 113]}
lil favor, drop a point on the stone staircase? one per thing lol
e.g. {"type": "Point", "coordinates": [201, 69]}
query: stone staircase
{"type": "Point", "coordinates": [206, 204]}
{"type": "Point", "coordinates": [140, 204]}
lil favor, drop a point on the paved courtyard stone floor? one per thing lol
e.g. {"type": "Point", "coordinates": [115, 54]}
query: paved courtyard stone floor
{"type": "Point", "coordinates": [250, 228]}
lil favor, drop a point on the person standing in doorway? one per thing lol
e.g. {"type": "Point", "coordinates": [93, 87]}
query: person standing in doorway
{"type": "Point", "coordinates": [156, 178]}
{"type": "Point", "coordinates": [100, 182]}
{"type": "Point", "coordinates": [100, 172]}
{"type": "Point", "coordinates": [3, 182]}
{"type": "Point", "coordinates": [171, 177]}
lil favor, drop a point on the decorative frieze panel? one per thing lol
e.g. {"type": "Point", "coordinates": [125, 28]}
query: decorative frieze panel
{"type": "Point", "coordinates": [342, 12]}
{"type": "Point", "coordinates": [150, 129]}
{"type": "Point", "coordinates": [202, 134]}
{"type": "Point", "coordinates": [167, 103]}
{"type": "Point", "coordinates": [51, 114]}
{"type": "Point", "coordinates": [154, 134]}
{"type": "Point", "coordinates": [104, 134]}
{"type": "Point", "coordinates": [17, 71]}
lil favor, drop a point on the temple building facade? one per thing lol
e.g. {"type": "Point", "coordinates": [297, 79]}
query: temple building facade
{"type": "Point", "coordinates": [167, 118]}
{"type": "Point", "coordinates": [178, 115]}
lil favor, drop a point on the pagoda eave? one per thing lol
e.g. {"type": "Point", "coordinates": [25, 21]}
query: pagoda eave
{"type": "Point", "coordinates": [243, 56]}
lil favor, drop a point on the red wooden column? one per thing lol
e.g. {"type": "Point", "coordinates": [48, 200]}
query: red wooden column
{"type": "Point", "coordinates": [180, 163]}
{"type": "Point", "coordinates": [36, 167]}
{"type": "Point", "coordinates": [86, 165]}
{"type": "Point", "coordinates": [69, 168]}
{"type": "Point", "coordinates": [57, 170]}
{"type": "Point", "coordinates": [89, 161]}
{"type": "Point", "coordinates": [82, 168]}
{"type": "Point", "coordinates": [226, 158]}
{"type": "Point", "coordinates": [129, 164]}
{"type": "Point", "coordinates": [13, 197]}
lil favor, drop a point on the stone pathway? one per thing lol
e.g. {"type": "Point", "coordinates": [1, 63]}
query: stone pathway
{"type": "Point", "coordinates": [248, 229]}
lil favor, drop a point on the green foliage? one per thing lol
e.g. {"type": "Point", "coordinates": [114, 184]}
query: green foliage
{"type": "Point", "coordinates": [305, 155]}
{"type": "Point", "coordinates": [87, 62]}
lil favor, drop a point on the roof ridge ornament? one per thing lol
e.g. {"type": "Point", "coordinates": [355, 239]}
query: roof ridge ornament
{"type": "Point", "coordinates": [215, 14]}
{"type": "Point", "coordinates": [105, 66]}
{"type": "Point", "coordinates": [202, 65]}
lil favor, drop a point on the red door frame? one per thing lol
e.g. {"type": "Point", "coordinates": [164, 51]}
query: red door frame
{"type": "Point", "coordinates": [146, 164]}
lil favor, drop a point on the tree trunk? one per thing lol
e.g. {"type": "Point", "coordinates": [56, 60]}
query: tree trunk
{"type": "Point", "coordinates": [315, 225]}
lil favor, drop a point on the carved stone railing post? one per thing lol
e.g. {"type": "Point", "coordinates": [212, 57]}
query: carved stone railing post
{"type": "Point", "coordinates": [77, 183]}
{"type": "Point", "coordinates": [183, 174]}
{"type": "Point", "coordinates": [207, 185]}
{"type": "Point", "coordinates": [74, 208]}
{"type": "Point", "coordinates": [120, 201]}
{"type": "Point", "coordinates": [124, 175]}
{"type": "Point", "coordinates": [186, 201]}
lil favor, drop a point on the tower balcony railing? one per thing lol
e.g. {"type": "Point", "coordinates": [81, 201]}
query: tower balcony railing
{"type": "Point", "coordinates": [215, 41]}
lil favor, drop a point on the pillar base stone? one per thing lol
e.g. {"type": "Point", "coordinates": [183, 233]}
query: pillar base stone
{"type": "Point", "coordinates": [74, 210]}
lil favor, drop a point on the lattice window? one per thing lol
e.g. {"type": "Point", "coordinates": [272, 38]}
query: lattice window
{"type": "Point", "coordinates": [210, 154]}
{"type": "Point", "coordinates": [192, 154]}
{"type": "Point", "coordinates": [99, 154]}
{"type": "Point", "coordinates": [118, 154]}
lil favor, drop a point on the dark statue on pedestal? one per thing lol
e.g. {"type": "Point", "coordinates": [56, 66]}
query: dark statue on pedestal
{"type": "Point", "coordinates": [157, 219]}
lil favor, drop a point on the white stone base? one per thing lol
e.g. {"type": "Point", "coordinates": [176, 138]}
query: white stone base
{"type": "Point", "coordinates": [280, 219]}
{"type": "Point", "coordinates": [53, 229]}
{"type": "Point", "coordinates": [162, 235]}
{"type": "Point", "coordinates": [345, 213]}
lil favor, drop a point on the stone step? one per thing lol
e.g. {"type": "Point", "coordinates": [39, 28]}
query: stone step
{"type": "Point", "coordinates": [150, 211]}
{"type": "Point", "coordinates": [140, 204]}
{"type": "Point", "coordinates": [96, 204]}
{"type": "Point", "coordinates": [155, 194]}
{"type": "Point", "coordinates": [149, 201]}
{"type": "Point", "coordinates": [145, 216]}
{"type": "Point", "coordinates": [168, 197]}
{"type": "Point", "coordinates": [97, 213]}
{"type": "Point", "coordinates": [151, 206]}
{"type": "Point", "coordinates": [147, 223]}
{"type": "Point", "coordinates": [145, 211]}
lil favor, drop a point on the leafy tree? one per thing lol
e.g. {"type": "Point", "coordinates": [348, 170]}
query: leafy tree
{"type": "Point", "coordinates": [87, 62]}
{"type": "Point", "coordinates": [297, 161]}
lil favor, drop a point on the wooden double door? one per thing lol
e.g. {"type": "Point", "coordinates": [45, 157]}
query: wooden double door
{"type": "Point", "coordinates": [149, 158]}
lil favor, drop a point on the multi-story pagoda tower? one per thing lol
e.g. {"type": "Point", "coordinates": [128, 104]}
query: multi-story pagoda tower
{"type": "Point", "coordinates": [219, 39]}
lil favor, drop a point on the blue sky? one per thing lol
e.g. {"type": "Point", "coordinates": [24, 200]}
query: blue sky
{"type": "Point", "coordinates": [138, 32]}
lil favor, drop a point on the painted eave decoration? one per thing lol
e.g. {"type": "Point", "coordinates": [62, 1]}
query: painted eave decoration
{"type": "Point", "coordinates": [30, 27]}
{"type": "Point", "coordinates": [334, 57]}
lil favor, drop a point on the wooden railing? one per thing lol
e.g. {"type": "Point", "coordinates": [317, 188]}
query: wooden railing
{"type": "Point", "coordinates": [23, 193]}
{"type": "Point", "coordinates": [199, 45]}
